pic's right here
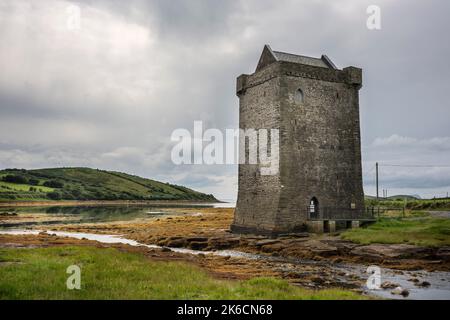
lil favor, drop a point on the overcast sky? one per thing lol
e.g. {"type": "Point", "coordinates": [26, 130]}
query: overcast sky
{"type": "Point", "coordinates": [109, 94]}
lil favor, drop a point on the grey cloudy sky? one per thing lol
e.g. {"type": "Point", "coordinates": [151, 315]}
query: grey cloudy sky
{"type": "Point", "coordinates": [110, 94]}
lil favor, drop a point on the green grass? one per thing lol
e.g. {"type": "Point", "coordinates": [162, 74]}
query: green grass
{"type": "Point", "coordinates": [91, 184]}
{"type": "Point", "coordinates": [23, 187]}
{"type": "Point", "coordinates": [412, 204]}
{"type": "Point", "coordinates": [112, 274]}
{"type": "Point", "coordinates": [422, 231]}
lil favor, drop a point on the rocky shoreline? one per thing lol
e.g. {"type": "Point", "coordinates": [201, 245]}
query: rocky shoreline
{"type": "Point", "coordinates": [309, 260]}
{"type": "Point", "coordinates": [333, 249]}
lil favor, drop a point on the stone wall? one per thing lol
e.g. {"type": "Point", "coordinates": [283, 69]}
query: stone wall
{"type": "Point", "coordinates": [258, 196]}
{"type": "Point", "coordinates": [320, 152]}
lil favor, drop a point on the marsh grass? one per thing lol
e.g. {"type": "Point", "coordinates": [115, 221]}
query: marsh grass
{"type": "Point", "coordinates": [111, 274]}
{"type": "Point", "coordinates": [419, 230]}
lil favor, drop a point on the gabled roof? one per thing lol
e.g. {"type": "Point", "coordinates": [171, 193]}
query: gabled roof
{"type": "Point", "coordinates": [268, 56]}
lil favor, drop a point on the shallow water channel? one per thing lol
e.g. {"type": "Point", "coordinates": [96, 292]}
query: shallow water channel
{"type": "Point", "coordinates": [439, 281]}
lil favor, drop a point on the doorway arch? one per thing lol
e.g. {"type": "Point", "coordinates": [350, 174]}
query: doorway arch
{"type": "Point", "coordinates": [313, 208]}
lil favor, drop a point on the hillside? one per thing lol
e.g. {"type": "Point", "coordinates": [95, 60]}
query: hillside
{"type": "Point", "coordinates": [88, 184]}
{"type": "Point", "coordinates": [396, 197]}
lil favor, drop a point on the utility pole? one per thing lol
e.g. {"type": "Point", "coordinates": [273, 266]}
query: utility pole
{"type": "Point", "coordinates": [376, 170]}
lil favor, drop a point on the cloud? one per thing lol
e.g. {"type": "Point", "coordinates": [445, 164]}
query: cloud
{"type": "Point", "coordinates": [396, 141]}
{"type": "Point", "coordinates": [110, 94]}
{"type": "Point", "coordinates": [409, 165]}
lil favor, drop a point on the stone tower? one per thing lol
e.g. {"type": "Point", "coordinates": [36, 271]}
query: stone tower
{"type": "Point", "coordinates": [316, 109]}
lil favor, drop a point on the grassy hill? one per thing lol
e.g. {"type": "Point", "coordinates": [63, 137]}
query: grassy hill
{"type": "Point", "coordinates": [396, 197]}
{"type": "Point", "coordinates": [88, 184]}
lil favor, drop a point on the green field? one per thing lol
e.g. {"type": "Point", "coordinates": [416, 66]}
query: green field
{"type": "Point", "coordinates": [88, 184]}
{"type": "Point", "coordinates": [422, 231]}
{"type": "Point", "coordinates": [412, 204]}
{"type": "Point", "coordinates": [23, 187]}
{"type": "Point", "coordinates": [112, 274]}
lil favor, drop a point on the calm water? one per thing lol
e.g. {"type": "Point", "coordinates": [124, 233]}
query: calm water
{"type": "Point", "coordinates": [106, 213]}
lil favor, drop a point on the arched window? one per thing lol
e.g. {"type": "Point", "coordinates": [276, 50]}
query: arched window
{"type": "Point", "coordinates": [298, 97]}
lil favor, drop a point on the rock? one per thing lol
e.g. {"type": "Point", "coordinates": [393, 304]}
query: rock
{"type": "Point", "coordinates": [175, 238]}
{"type": "Point", "coordinates": [415, 280]}
{"type": "Point", "coordinates": [223, 243]}
{"type": "Point", "coordinates": [295, 235]}
{"type": "Point", "coordinates": [272, 248]}
{"type": "Point", "coordinates": [165, 249]}
{"type": "Point", "coordinates": [397, 290]}
{"type": "Point", "coordinates": [400, 291]}
{"type": "Point", "coordinates": [443, 253]}
{"type": "Point", "coordinates": [161, 242]}
{"type": "Point", "coordinates": [317, 280]}
{"type": "Point", "coordinates": [337, 260]}
{"type": "Point", "coordinates": [176, 243]}
{"type": "Point", "coordinates": [266, 242]}
{"type": "Point", "coordinates": [423, 284]}
{"type": "Point", "coordinates": [321, 249]}
{"type": "Point", "coordinates": [196, 239]}
{"type": "Point", "coordinates": [198, 245]}
{"type": "Point", "coordinates": [396, 251]}
{"type": "Point", "coordinates": [389, 285]}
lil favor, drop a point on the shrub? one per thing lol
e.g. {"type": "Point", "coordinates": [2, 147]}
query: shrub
{"type": "Point", "coordinates": [15, 179]}
{"type": "Point", "coordinates": [54, 195]}
{"type": "Point", "coordinates": [33, 182]}
{"type": "Point", "coordinates": [53, 184]}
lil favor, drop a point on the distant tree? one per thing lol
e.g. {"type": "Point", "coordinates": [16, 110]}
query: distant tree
{"type": "Point", "coordinates": [33, 181]}
{"type": "Point", "coordinates": [12, 178]}
{"type": "Point", "coordinates": [76, 193]}
{"type": "Point", "coordinates": [54, 195]}
{"type": "Point", "coordinates": [54, 184]}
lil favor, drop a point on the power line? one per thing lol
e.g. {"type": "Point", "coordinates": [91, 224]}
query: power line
{"type": "Point", "coordinates": [415, 165]}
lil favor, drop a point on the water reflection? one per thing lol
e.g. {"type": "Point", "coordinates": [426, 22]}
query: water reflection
{"type": "Point", "coordinates": [98, 213]}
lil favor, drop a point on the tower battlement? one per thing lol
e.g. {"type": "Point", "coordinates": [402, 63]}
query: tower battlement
{"type": "Point", "coordinates": [315, 106]}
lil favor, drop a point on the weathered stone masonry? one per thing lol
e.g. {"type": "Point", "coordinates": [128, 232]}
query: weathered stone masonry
{"type": "Point", "coordinates": [315, 106]}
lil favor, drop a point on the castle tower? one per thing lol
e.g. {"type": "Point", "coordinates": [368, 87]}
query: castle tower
{"type": "Point", "coordinates": [316, 109]}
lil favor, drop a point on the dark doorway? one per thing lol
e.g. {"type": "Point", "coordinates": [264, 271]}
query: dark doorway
{"type": "Point", "coordinates": [314, 208]}
{"type": "Point", "coordinates": [326, 226]}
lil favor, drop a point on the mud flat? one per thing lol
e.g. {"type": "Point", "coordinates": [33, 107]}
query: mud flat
{"type": "Point", "coordinates": [208, 229]}
{"type": "Point", "coordinates": [201, 236]}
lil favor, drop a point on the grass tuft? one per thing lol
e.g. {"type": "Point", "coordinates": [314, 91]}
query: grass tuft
{"type": "Point", "coordinates": [112, 274]}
